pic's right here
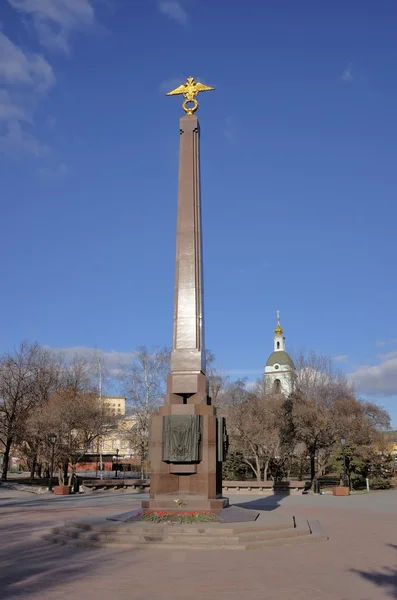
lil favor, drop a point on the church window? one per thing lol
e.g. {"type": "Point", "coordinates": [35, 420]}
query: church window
{"type": "Point", "coordinates": [278, 345]}
{"type": "Point", "coordinates": [277, 385]}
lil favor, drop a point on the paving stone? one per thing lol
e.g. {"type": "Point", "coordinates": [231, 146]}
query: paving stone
{"type": "Point", "coordinates": [356, 563]}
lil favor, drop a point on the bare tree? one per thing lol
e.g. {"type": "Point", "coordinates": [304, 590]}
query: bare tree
{"type": "Point", "coordinates": [217, 379]}
{"type": "Point", "coordinates": [231, 398]}
{"type": "Point", "coordinates": [77, 417]}
{"type": "Point", "coordinates": [100, 371]}
{"type": "Point", "coordinates": [136, 432]}
{"type": "Point", "coordinates": [144, 382]}
{"type": "Point", "coordinates": [27, 377]}
{"type": "Point", "coordinates": [77, 374]}
{"type": "Point", "coordinates": [324, 409]}
{"type": "Point", "coordinates": [47, 369]}
{"type": "Point", "coordinates": [67, 405]}
{"type": "Point", "coordinates": [254, 425]}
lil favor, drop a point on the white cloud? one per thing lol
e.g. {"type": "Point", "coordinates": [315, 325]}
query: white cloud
{"type": "Point", "coordinates": [244, 372]}
{"type": "Point", "coordinates": [380, 343]}
{"type": "Point", "coordinates": [377, 380]}
{"type": "Point", "coordinates": [174, 9]}
{"type": "Point", "coordinates": [112, 360]}
{"type": "Point", "coordinates": [54, 20]}
{"type": "Point", "coordinates": [15, 141]}
{"type": "Point", "coordinates": [53, 172]}
{"type": "Point", "coordinates": [9, 110]}
{"type": "Point", "coordinates": [341, 358]}
{"type": "Point", "coordinates": [347, 74]}
{"type": "Point", "coordinates": [23, 68]}
{"type": "Point", "coordinates": [26, 76]}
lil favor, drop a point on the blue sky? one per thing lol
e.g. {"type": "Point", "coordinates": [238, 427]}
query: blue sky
{"type": "Point", "coordinates": [298, 176]}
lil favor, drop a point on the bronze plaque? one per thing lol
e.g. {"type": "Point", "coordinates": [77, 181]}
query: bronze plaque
{"type": "Point", "coordinates": [181, 438]}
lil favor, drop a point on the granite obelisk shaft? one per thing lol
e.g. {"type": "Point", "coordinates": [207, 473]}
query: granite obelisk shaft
{"type": "Point", "coordinates": [188, 353]}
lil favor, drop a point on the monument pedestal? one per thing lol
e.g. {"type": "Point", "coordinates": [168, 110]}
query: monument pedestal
{"type": "Point", "coordinates": [196, 483]}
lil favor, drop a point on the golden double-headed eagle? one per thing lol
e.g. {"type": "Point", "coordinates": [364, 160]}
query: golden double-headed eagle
{"type": "Point", "coordinates": [189, 91]}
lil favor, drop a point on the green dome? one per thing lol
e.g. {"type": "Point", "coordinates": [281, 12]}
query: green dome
{"type": "Point", "coordinates": [280, 358]}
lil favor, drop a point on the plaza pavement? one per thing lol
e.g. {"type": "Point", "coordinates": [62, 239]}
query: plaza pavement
{"type": "Point", "coordinates": [357, 563]}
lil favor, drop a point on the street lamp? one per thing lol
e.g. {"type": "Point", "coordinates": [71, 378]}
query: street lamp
{"type": "Point", "coordinates": [343, 443]}
{"type": "Point", "coordinates": [117, 460]}
{"type": "Point", "coordinates": [53, 439]}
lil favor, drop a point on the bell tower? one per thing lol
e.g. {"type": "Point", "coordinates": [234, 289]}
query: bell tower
{"type": "Point", "coordinates": [280, 373]}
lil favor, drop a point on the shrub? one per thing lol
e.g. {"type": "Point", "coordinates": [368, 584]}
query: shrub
{"type": "Point", "coordinates": [379, 483]}
{"type": "Point", "coordinates": [234, 468]}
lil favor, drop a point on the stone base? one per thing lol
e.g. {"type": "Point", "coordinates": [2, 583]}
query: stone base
{"type": "Point", "coordinates": [190, 503]}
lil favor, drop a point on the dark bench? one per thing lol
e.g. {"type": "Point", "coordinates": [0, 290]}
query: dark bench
{"type": "Point", "coordinates": [144, 484]}
{"type": "Point", "coordinates": [326, 482]}
{"type": "Point", "coordinates": [276, 486]}
{"type": "Point", "coordinates": [116, 483]}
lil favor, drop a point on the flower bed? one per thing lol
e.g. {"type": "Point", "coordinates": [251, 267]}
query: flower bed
{"type": "Point", "coordinates": [162, 516]}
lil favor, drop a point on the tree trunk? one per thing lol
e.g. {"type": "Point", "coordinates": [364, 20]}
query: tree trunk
{"type": "Point", "coordinates": [142, 461]}
{"type": "Point", "coordinates": [65, 471]}
{"type": "Point", "coordinates": [258, 468]}
{"type": "Point", "coordinates": [61, 480]}
{"type": "Point", "coordinates": [312, 466]}
{"type": "Point", "coordinates": [33, 465]}
{"type": "Point", "coordinates": [6, 458]}
{"type": "Point", "coordinates": [265, 470]}
{"type": "Point", "coordinates": [255, 472]}
{"type": "Point", "coordinates": [72, 475]}
{"type": "Point", "coordinates": [300, 476]}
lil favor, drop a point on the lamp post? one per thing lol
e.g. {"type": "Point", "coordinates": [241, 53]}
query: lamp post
{"type": "Point", "coordinates": [117, 460]}
{"type": "Point", "coordinates": [343, 443]}
{"type": "Point", "coordinates": [53, 439]}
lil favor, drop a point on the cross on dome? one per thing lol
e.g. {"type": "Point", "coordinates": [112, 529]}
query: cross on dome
{"type": "Point", "coordinates": [278, 330]}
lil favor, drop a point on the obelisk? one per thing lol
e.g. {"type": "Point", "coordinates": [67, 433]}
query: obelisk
{"type": "Point", "coordinates": [187, 440]}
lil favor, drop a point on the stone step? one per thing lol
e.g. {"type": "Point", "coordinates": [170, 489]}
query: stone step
{"type": "Point", "coordinates": [86, 543]}
{"type": "Point", "coordinates": [189, 529]}
{"type": "Point", "coordinates": [242, 536]}
{"type": "Point", "coordinates": [77, 542]}
{"type": "Point", "coordinates": [171, 536]}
